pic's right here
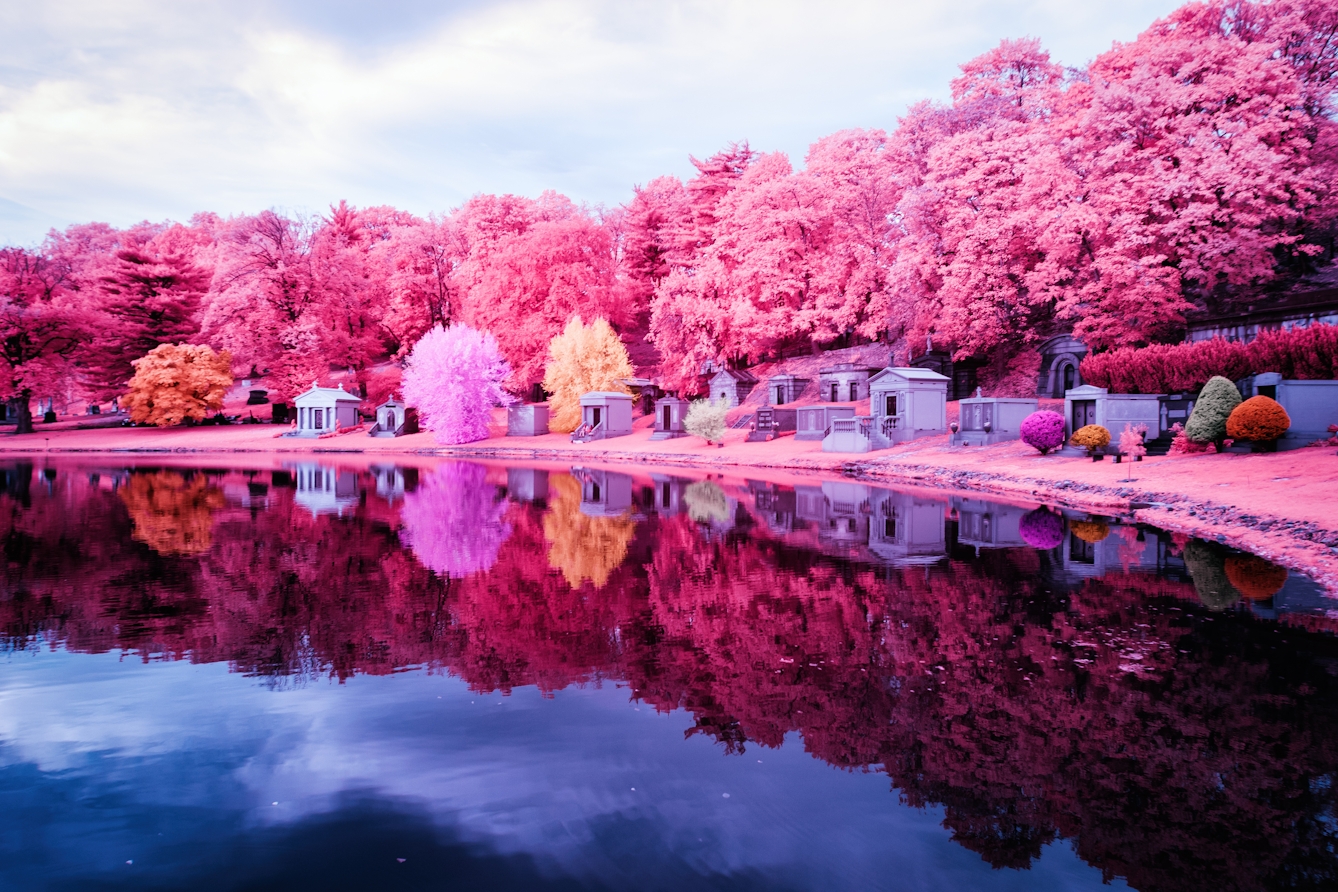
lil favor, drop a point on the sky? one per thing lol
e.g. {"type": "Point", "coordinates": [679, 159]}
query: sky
{"type": "Point", "coordinates": [127, 110]}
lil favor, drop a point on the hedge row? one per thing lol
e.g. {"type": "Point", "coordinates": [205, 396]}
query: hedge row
{"type": "Point", "coordinates": [1298, 354]}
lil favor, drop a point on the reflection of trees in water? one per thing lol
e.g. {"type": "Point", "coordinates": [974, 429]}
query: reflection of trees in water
{"type": "Point", "coordinates": [1254, 577]}
{"type": "Point", "coordinates": [171, 512]}
{"type": "Point", "coordinates": [706, 502]}
{"type": "Point", "coordinates": [1179, 747]}
{"type": "Point", "coordinates": [454, 521]}
{"type": "Point", "coordinates": [580, 546]}
{"type": "Point", "coordinates": [1207, 567]}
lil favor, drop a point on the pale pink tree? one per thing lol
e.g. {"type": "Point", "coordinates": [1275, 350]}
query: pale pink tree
{"type": "Point", "coordinates": [857, 187]}
{"type": "Point", "coordinates": [1132, 446]}
{"type": "Point", "coordinates": [455, 376]}
{"type": "Point", "coordinates": [455, 521]}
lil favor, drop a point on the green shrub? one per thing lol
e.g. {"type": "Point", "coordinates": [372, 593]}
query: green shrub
{"type": "Point", "coordinates": [706, 419]}
{"type": "Point", "coordinates": [1208, 422]}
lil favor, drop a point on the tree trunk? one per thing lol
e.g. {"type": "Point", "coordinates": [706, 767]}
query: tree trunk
{"type": "Point", "coordinates": [25, 425]}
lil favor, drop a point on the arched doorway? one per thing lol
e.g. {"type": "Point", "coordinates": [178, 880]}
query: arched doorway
{"type": "Point", "coordinates": [1064, 375]}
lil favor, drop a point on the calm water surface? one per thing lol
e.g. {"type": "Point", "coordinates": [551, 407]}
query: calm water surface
{"type": "Point", "coordinates": [469, 677]}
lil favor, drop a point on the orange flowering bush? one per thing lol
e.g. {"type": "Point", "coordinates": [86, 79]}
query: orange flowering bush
{"type": "Point", "coordinates": [1091, 437]}
{"type": "Point", "coordinates": [1258, 418]}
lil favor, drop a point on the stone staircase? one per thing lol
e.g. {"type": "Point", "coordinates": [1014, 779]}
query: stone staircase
{"type": "Point", "coordinates": [585, 433]}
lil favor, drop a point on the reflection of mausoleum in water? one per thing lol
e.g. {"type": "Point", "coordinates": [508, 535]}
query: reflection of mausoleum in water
{"type": "Point", "coordinates": [325, 490]}
{"type": "Point", "coordinates": [667, 494]}
{"type": "Point", "coordinates": [1093, 548]}
{"type": "Point", "coordinates": [392, 481]}
{"type": "Point", "coordinates": [527, 485]}
{"type": "Point", "coordinates": [776, 504]}
{"type": "Point", "coordinates": [904, 529]}
{"type": "Point", "coordinates": [604, 493]}
{"type": "Point", "coordinates": [838, 510]}
{"type": "Point", "coordinates": [988, 524]}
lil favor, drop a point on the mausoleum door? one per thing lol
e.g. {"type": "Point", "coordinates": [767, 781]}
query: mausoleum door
{"type": "Point", "coordinates": [890, 404]}
{"type": "Point", "coordinates": [854, 391]}
{"type": "Point", "coordinates": [668, 418]}
{"type": "Point", "coordinates": [835, 391]}
{"type": "Point", "coordinates": [594, 416]}
{"type": "Point", "coordinates": [1084, 413]}
{"type": "Point", "coordinates": [780, 395]}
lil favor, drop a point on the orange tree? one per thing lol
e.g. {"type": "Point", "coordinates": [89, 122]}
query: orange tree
{"type": "Point", "coordinates": [173, 383]}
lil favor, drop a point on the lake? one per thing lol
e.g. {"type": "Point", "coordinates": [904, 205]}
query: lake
{"type": "Point", "coordinates": [314, 675]}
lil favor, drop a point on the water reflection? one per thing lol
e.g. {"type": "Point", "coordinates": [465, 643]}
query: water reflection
{"type": "Point", "coordinates": [1169, 706]}
{"type": "Point", "coordinates": [454, 521]}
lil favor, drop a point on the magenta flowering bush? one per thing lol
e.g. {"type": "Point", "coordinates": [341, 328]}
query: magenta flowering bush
{"type": "Point", "coordinates": [1042, 528]}
{"type": "Point", "coordinates": [454, 521]}
{"type": "Point", "coordinates": [1043, 430]}
{"type": "Point", "coordinates": [454, 377]}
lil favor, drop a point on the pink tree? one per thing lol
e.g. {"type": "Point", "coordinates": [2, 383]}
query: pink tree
{"type": "Point", "coordinates": [44, 326]}
{"type": "Point", "coordinates": [152, 296]}
{"type": "Point", "coordinates": [690, 310]}
{"type": "Point", "coordinates": [857, 186]}
{"type": "Point", "coordinates": [261, 306]}
{"type": "Point", "coordinates": [418, 261]}
{"type": "Point", "coordinates": [1195, 148]}
{"type": "Point", "coordinates": [454, 376]}
{"type": "Point", "coordinates": [454, 521]}
{"type": "Point", "coordinates": [349, 285]}
{"type": "Point", "coordinates": [983, 183]}
{"type": "Point", "coordinates": [532, 282]}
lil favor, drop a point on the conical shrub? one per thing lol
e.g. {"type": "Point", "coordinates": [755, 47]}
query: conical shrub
{"type": "Point", "coordinates": [1207, 423]}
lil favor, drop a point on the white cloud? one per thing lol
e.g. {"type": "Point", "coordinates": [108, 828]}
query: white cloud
{"type": "Point", "coordinates": [152, 109]}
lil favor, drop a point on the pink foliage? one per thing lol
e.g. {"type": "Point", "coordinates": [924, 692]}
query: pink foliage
{"type": "Point", "coordinates": [44, 324]}
{"type": "Point", "coordinates": [528, 283]}
{"type": "Point", "coordinates": [1299, 353]}
{"type": "Point", "coordinates": [454, 521]}
{"type": "Point", "coordinates": [454, 376]}
{"type": "Point", "coordinates": [1183, 445]}
{"type": "Point", "coordinates": [1131, 441]}
{"type": "Point", "coordinates": [1043, 430]}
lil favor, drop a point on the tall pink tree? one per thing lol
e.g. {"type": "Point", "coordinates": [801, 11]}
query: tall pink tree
{"type": "Point", "coordinates": [262, 303]}
{"type": "Point", "coordinates": [152, 296]}
{"type": "Point", "coordinates": [455, 376]}
{"type": "Point", "coordinates": [1195, 146]}
{"type": "Point", "coordinates": [527, 284]}
{"type": "Point", "coordinates": [44, 326]}
{"type": "Point", "coordinates": [418, 261]}
{"type": "Point", "coordinates": [855, 179]}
